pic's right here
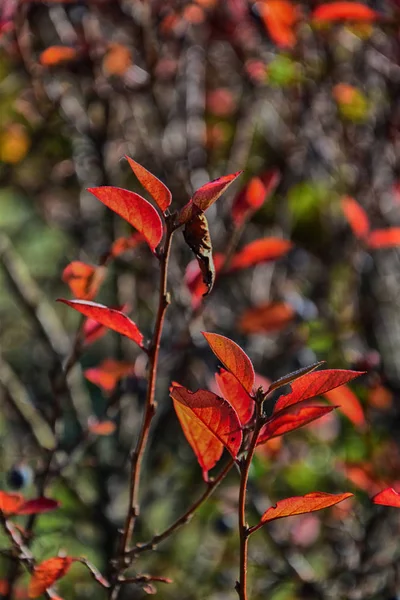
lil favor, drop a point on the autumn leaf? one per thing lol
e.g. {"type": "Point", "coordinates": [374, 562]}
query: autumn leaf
{"type": "Point", "coordinates": [384, 238]}
{"type": "Point", "coordinates": [344, 11]}
{"type": "Point", "coordinates": [15, 504]}
{"type": "Point", "coordinates": [14, 143]}
{"type": "Point", "coordinates": [387, 497]}
{"type": "Point", "coordinates": [314, 384]}
{"type": "Point", "coordinates": [298, 505]}
{"type": "Point", "coordinates": [280, 18]}
{"type": "Point", "coordinates": [356, 216]}
{"type": "Point", "coordinates": [289, 377]}
{"type": "Point", "coordinates": [109, 317]}
{"type": "Point", "coordinates": [236, 395]}
{"type": "Point", "coordinates": [101, 427]}
{"type": "Point", "coordinates": [197, 237]}
{"type": "Point", "coordinates": [83, 280]}
{"type": "Point", "coordinates": [117, 60]}
{"type": "Point", "coordinates": [134, 209]}
{"type": "Point", "coordinates": [267, 317]}
{"type": "Point", "coordinates": [263, 250]}
{"type": "Point", "coordinates": [57, 55]}
{"type": "Point", "coordinates": [209, 423]}
{"type": "Point", "coordinates": [123, 244]}
{"type": "Point", "coordinates": [47, 573]}
{"type": "Point", "coordinates": [157, 190]}
{"type": "Point", "coordinates": [194, 278]}
{"type": "Point", "coordinates": [253, 196]}
{"type": "Point", "coordinates": [205, 196]}
{"type": "Point", "coordinates": [108, 373]}
{"type": "Point", "coordinates": [233, 358]}
{"type": "Point", "coordinates": [291, 418]}
{"type": "Point", "coordinates": [348, 403]}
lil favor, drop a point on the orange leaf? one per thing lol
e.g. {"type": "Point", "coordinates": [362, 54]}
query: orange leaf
{"type": "Point", "coordinates": [56, 55]}
{"type": "Point", "coordinates": [291, 418]}
{"type": "Point", "coordinates": [344, 11]}
{"type": "Point", "coordinates": [134, 209]}
{"type": "Point", "coordinates": [157, 190]}
{"type": "Point", "coordinates": [280, 18]}
{"type": "Point", "coordinates": [271, 316]}
{"type": "Point", "coordinates": [315, 384]}
{"type": "Point", "coordinates": [123, 244]}
{"type": "Point", "coordinates": [349, 404]}
{"type": "Point", "coordinates": [101, 427]}
{"type": "Point", "coordinates": [388, 497]}
{"type": "Point", "coordinates": [209, 423]}
{"type": "Point", "coordinates": [233, 358]}
{"type": "Point", "coordinates": [236, 395]}
{"type": "Point", "coordinates": [298, 505]}
{"type": "Point", "coordinates": [253, 195]}
{"type": "Point", "coordinates": [356, 217]}
{"type": "Point", "coordinates": [84, 280]}
{"type": "Point", "coordinates": [10, 503]}
{"type": "Point", "coordinates": [259, 251]}
{"type": "Point", "coordinates": [384, 238]}
{"type": "Point", "coordinates": [117, 60]}
{"type": "Point", "coordinates": [109, 317]}
{"type": "Point", "coordinates": [107, 374]}
{"type": "Point", "coordinates": [47, 573]}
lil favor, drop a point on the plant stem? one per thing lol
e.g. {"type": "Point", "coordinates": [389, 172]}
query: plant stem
{"type": "Point", "coordinates": [244, 531]}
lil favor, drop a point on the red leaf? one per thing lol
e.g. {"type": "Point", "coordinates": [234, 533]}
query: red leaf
{"type": "Point", "coordinates": [253, 196]}
{"type": "Point", "coordinates": [93, 330]}
{"type": "Point", "coordinates": [384, 238]}
{"type": "Point", "coordinates": [205, 196]}
{"type": "Point", "coordinates": [388, 497]}
{"type": "Point", "coordinates": [356, 217]}
{"type": "Point", "coordinates": [157, 190]}
{"type": "Point", "coordinates": [268, 317]}
{"type": "Point", "coordinates": [349, 404]}
{"type": "Point", "coordinates": [123, 244]}
{"type": "Point", "coordinates": [109, 317]}
{"type": "Point", "coordinates": [47, 573]}
{"type": "Point", "coordinates": [37, 506]}
{"type": "Point", "coordinates": [344, 11]}
{"type": "Point", "coordinates": [236, 395]}
{"type": "Point", "coordinates": [262, 250]}
{"type": "Point", "coordinates": [107, 374]}
{"type": "Point", "coordinates": [209, 423]}
{"type": "Point", "coordinates": [291, 418]}
{"type": "Point", "coordinates": [10, 503]}
{"type": "Point", "coordinates": [298, 505]}
{"type": "Point", "coordinates": [84, 280]}
{"type": "Point", "coordinates": [134, 209]}
{"type": "Point", "coordinates": [56, 55]}
{"type": "Point", "coordinates": [280, 18]}
{"type": "Point", "coordinates": [100, 427]}
{"type": "Point", "coordinates": [315, 384]}
{"type": "Point", "coordinates": [233, 358]}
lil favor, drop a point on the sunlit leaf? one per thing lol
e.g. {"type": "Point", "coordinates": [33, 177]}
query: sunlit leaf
{"type": "Point", "coordinates": [157, 190]}
{"type": "Point", "coordinates": [280, 18]}
{"type": "Point", "coordinates": [291, 418]}
{"type": "Point", "coordinates": [268, 317]}
{"type": "Point", "coordinates": [109, 317]}
{"type": "Point", "coordinates": [205, 196]}
{"type": "Point", "coordinates": [47, 573]}
{"type": "Point", "coordinates": [388, 497]}
{"type": "Point", "coordinates": [134, 209]}
{"type": "Point", "coordinates": [356, 216]}
{"type": "Point", "coordinates": [344, 11]}
{"type": "Point", "coordinates": [9, 503]}
{"type": "Point", "coordinates": [348, 403]}
{"type": "Point", "coordinates": [233, 358]}
{"type": "Point", "coordinates": [259, 251]}
{"type": "Point", "coordinates": [236, 395]}
{"type": "Point", "coordinates": [384, 238]}
{"type": "Point", "coordinates": [108, 373]}
{"type": "Point", "coordinates": [298, 505]}
{"type": "Point", "coordinates": [83, 280]}
{"type": "Point", "coordinates": [286, 379]}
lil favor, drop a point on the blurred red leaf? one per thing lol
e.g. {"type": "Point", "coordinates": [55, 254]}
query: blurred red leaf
{"type": "Point", "coordinates": [9, 503]}
{"type": "Point", "coordinates": [194, 279]}
{"type": "Point", "coordinates": [83, 280]}
{"type": "Point", "coordinates": [157, 190]}
{"type": "Point", "coordinates": [101, 427]}
{"type": "Point", "coordinates": [4, 587]}
{"type": "Point", "coordinates": [280, 18]}
{"type": "Point", "coordinates": [47, 573]}
{"type": "Point", "coordinates": [107, 374]}
{"type": "Point", "coordinates": [56, 55]}
{"type": "Point", "coordinates": [209, 423]}
{"type": "Point", "coordinates": [253, 196]}
{"type": "Point", "coordinates": [292, 417]}
{"type": "Point", "coordinates": [384, 238]}
{"type": "Point", "coordinates": [348, 403]}
{"type": "Point", "coordinates": [109, 317]}
{"type": "Point", "coordinates": [315, 384]}
{"type": "Point", "coordinates": [298, 505]}
{"type": "Point", "coordinates": [236, 395]}
{"type": "Point", "coordinates": [134, 209]}
{"type": "Point", "coordinates": [262, 250]}
{"type": "Point", "coordinates": [123, 244]}
{"type": "Point", "coordinates": [344, 11]}
{"type": "Point", "coordinates": [380, 397]}
{"type": "Point", "coordinates": [37, 506]}
{"type": "Point", "coordinates": [388, 497]}
{"type": "Point", "coordinates": [356, 217]}
{"type": "Point", "coordinates": [268, 317]}
{"type": "Point", "coordinates": [233, 358]}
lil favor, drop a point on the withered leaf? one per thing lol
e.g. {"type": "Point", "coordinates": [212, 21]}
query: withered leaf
{"type": "Point", "coordinates": [197, 237]}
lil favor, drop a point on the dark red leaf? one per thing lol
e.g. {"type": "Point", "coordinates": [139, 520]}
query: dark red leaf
{"type": "Point", "coordinates": [388, 497]}
{"type": "Point", "coordinates": [134, 209]}
{"type": "Point", "coordinates": [37, 506]}
{"type": "Point", "coordinates": [109, 317]}
{"type": "Point", "coordinates": [157, 190]}
{"type": "Point", "coordinates": [291, 418]}
{"type": "Point", "coordinates": [356, 216]}
{"type": "Point", "coordinates": [260, 251]}
{"type": "Point", "coordinates": [233, 358]}
{"type": "Point", "coordinates": [298, 505]}
{"type": "Point", "coordinates": [236, 395]}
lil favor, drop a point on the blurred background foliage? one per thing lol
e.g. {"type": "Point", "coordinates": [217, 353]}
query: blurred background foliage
{"type": "Point", "coordinates": [192, 91]}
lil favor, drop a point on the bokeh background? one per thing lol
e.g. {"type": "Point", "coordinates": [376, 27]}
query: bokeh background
{"type": "Point", "coordinates": [193, 91]}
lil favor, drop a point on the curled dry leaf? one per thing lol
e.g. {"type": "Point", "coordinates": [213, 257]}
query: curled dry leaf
{"type": "Point", "coordinates": [291, 418]}
{"type": "Point", "coordinates": [268, 317]}
{"type": "Point", "coordinates": [236, 395]}
{"type": "Point", "coordinates": [108, 373]}
{"type": "Point", "coordinates": [194, 279]}
{"type": "Point", "coordinates": [209, 423]}
{"type": "Point", "coordinates": [280, 18]}
{"type": "Point", "coordinates": [134, 209]}
{"type": "Point", "coordinates": [344, 11]}
{"type": "Point", "coordinates": [356, 216]}
{"type": "Point", "coordinates": [109, 317]}
{"type": "Point", "coordinates": [83, 280]}
{"type": "Point", "coordinates": [47, 573]}
{"type": "Point", "coordinates": [157, 190]}
{"type": "Point", "coordinates": [57, 55]}
{"type": "Point", "coordinates": [298, 505]}
{"type": "Point", "coordinates": [197, 237]}
{"type": "Point", "coordinates": [384, 238]}
{"type": "Point", "coordinates": [387, 497]}
{"type": "Point", "coordinates": [233, 358]}
{"type": "Point", "coordinates": [260, 251]}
